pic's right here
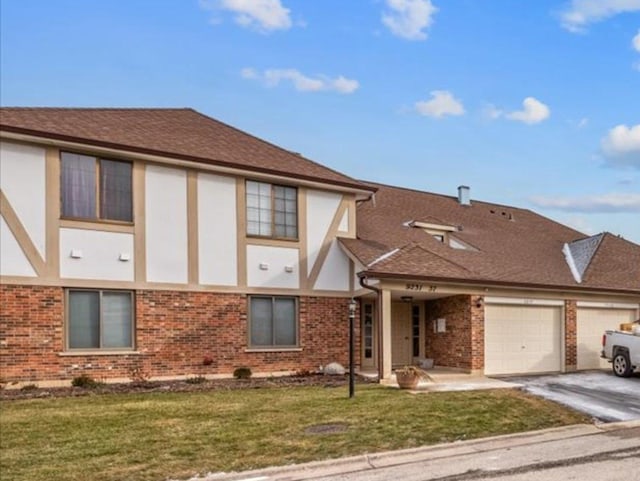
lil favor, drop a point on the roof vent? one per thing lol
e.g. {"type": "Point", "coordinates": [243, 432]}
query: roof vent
{"type": "Point", "coordinates": [464, 195]}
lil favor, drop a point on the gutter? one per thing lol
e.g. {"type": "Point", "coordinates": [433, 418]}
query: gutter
{"type": "Point", "coordinates": [363, 282]}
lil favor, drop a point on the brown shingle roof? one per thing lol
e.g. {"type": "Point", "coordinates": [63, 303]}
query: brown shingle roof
{"type": "Point", "coordinates": [178, 133]}
{"type": "Point", "coordinates": [512, 246]}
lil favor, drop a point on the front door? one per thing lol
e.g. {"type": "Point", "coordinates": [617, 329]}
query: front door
{"type": "Point", "coordinates": [401, 336]}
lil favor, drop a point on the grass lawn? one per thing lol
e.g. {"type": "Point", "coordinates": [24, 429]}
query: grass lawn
{"type": "Point", "coordinates": [176, 435]}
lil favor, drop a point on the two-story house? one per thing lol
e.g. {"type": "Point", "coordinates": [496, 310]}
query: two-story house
{"type": "Point", "coordinates": [165, 242]}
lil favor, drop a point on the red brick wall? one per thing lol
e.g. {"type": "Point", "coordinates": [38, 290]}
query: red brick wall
{"type": "Point", "coordinates": [30, 332]}
{"type": "Point", "coordinates": [570, 335]}
{"type": "Point", "coordinates": [174, 333]}
{"type": "Point", "coordinates": [477, 333]}
{"type": "Point", "coordinates": [462, 345]}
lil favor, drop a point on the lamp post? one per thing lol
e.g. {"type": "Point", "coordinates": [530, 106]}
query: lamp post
{"type": "Point", "coordinates": [352, 316]}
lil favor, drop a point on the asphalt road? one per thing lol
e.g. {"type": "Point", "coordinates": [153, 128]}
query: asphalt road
{"type": "Point", "coordinates": [585, 453]}
{"type": "Point", "coordinates": [597, 393]}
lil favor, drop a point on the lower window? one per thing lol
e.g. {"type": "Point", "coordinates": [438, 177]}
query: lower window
{"type": "Point", "coordinates": [98, 319]}
{"type": "Point", "coordinates": [273, 321]}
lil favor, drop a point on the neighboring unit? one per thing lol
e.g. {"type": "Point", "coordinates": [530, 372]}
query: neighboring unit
{"type": "Point", "coordinates": [484, 287]}
{"type": "Point", "coordinates": [164, 242]}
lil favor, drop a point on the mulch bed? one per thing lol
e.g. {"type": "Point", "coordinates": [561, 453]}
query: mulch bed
{"type": "Point", "coordinates": [321, 380]}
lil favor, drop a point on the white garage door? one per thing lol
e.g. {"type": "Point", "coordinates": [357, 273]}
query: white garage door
{"type": "Point", "coordinates": [591, 324]}
{"type": "Point", "coordinates": [522, 339]}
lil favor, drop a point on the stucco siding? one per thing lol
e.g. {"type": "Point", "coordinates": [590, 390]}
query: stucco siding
{"type": "Point", "coordinates": [22, 179]}
{"type": "Point", "coordinates": [166, 224]}
{"type": "Point", "coordinates": [217, 230]}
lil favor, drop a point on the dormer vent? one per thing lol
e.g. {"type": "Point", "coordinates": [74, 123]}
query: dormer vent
{"type": "Point", "coordinates": [464, 195]}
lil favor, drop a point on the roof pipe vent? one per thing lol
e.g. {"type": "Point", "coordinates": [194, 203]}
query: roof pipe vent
{"type": "Point", "coordinates": [464, 195]}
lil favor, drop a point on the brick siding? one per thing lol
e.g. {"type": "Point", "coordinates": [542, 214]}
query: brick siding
{"type": "Point", "coordinates": [462, 345]}
{"type": "Point", "coordinates": [174, 333]}
{"type": "Point", "coordinates": [570, 335]}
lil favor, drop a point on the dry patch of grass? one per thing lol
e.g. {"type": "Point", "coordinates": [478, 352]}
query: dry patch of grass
{"type": "Point", "coordinates": [177, 435]}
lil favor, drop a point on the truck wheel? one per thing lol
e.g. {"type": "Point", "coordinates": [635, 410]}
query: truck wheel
{"type": "Point", "coordinates": [621, 365]}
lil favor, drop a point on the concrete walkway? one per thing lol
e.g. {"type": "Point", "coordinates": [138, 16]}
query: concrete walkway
{"type": "Point", "coordinates": [442, 379]}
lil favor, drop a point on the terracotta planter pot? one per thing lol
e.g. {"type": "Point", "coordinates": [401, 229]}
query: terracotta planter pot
{"type": "Point", "coordinates": [407, 380]}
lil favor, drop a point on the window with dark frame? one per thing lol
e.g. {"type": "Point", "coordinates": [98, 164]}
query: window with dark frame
{"type": "Point", "coordinates": [273, 321]}
{"type": "Point", "coordinates": [415, 330]}
{"type": "Point", "coordinates": [99, 319]}
{"type": "Point", "coordinates": [272, 210]}
{"type": "Point", "coordinates": [95, 188]}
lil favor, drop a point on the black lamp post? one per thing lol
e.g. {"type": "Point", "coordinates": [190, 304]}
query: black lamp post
{"type": "Point", "coordinates": [352, 316]}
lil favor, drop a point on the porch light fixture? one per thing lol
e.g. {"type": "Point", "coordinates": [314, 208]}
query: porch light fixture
{"type": "Point", "coordinates": [406, 298]}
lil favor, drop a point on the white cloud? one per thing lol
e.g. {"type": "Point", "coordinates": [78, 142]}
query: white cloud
{"type": "Point", "coordinates": [301, 82]}
{"type": "Point", "coordinates": [636, 41]}
{"type": "Point", "coordinates": [492, 112]}
{"type": "Point", "coordinates": [248, 73]}
{"type": "Point", "coordinates": [262, 15]}
{"type": "Point", "coordinates": [581, 13]}
{"type": "Point", "coordinates": [613, 202]}
{"type": "Point", "coordinates": [442, 103]}
{"type": "Point", "coordinates": [579, 223]}
{"type": "Point", "coordinates": [345, 85]}
{"type": "Point", "coordinates": [533, 112]}
{"type": "Point", "coordinates": [409, 18]}
{"type": "Point", "coordinates": [621, 146]}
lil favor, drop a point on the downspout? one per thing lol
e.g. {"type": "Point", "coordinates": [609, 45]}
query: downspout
{"type": "Point", "coordinates": [363, 278]}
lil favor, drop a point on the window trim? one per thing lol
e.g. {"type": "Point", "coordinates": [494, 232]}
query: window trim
{"type": "Point", "coordinates": [273, 347]}
{"type": "Point", "coordinates": [273, 217]}
{"type": "Point", "coordinates": [98, 350]}
{"type": "Point", "coordinates": [97, 190]}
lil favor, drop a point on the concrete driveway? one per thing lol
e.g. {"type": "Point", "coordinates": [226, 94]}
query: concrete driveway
{"type": "Point", "coordinates": [597, 393]}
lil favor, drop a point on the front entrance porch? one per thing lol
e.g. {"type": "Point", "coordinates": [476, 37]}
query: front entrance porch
{"type": "Point", "coordinates": [399, 329]}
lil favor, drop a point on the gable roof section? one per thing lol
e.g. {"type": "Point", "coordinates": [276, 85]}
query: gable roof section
{"type": "Point", "coordinates": [511, 246]}
{"type": "Point", "coordinates": [579, 254]}
{"type": "Point", "coordinates": [616, 262]}
{"type": "Point", "coordinates": [177, 133]}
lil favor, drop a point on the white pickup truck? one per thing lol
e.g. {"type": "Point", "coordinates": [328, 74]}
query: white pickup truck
{"type": "Point", "coordinates": [622, 350]}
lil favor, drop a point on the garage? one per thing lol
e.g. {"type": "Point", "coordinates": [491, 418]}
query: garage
{"type": "Point", "coordinates": [592, 320]}
{"type": "Point", "coordinates": [523, 338]}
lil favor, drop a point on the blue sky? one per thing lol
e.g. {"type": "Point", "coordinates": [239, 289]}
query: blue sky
{"type": "Point", "coordinates": [534, 104]}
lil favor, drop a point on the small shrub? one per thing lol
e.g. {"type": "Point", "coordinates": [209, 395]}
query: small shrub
{"type": "Point", "coordinates": [242, 372]}
{"type": "Point", "coordinates": [195, 380]}
{"type": "Point", "coordinates": [85, 381]}
{"type": "Point", "coordinates": [207, 361]}
{"type": "Point", "coordinates": [138, 375]}
{"type": "Point", "coordinates": [29, 387]}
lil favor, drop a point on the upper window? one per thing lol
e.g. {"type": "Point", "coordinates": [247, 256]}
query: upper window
{"type": "Point", "coordinates": [273, 321]}
{"type": "Point", "coordinates": [99, 319]}
{"type": "Point", "coordinates": [94, 188]}
{"type": "Point", "coordinates": [272, 210]}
